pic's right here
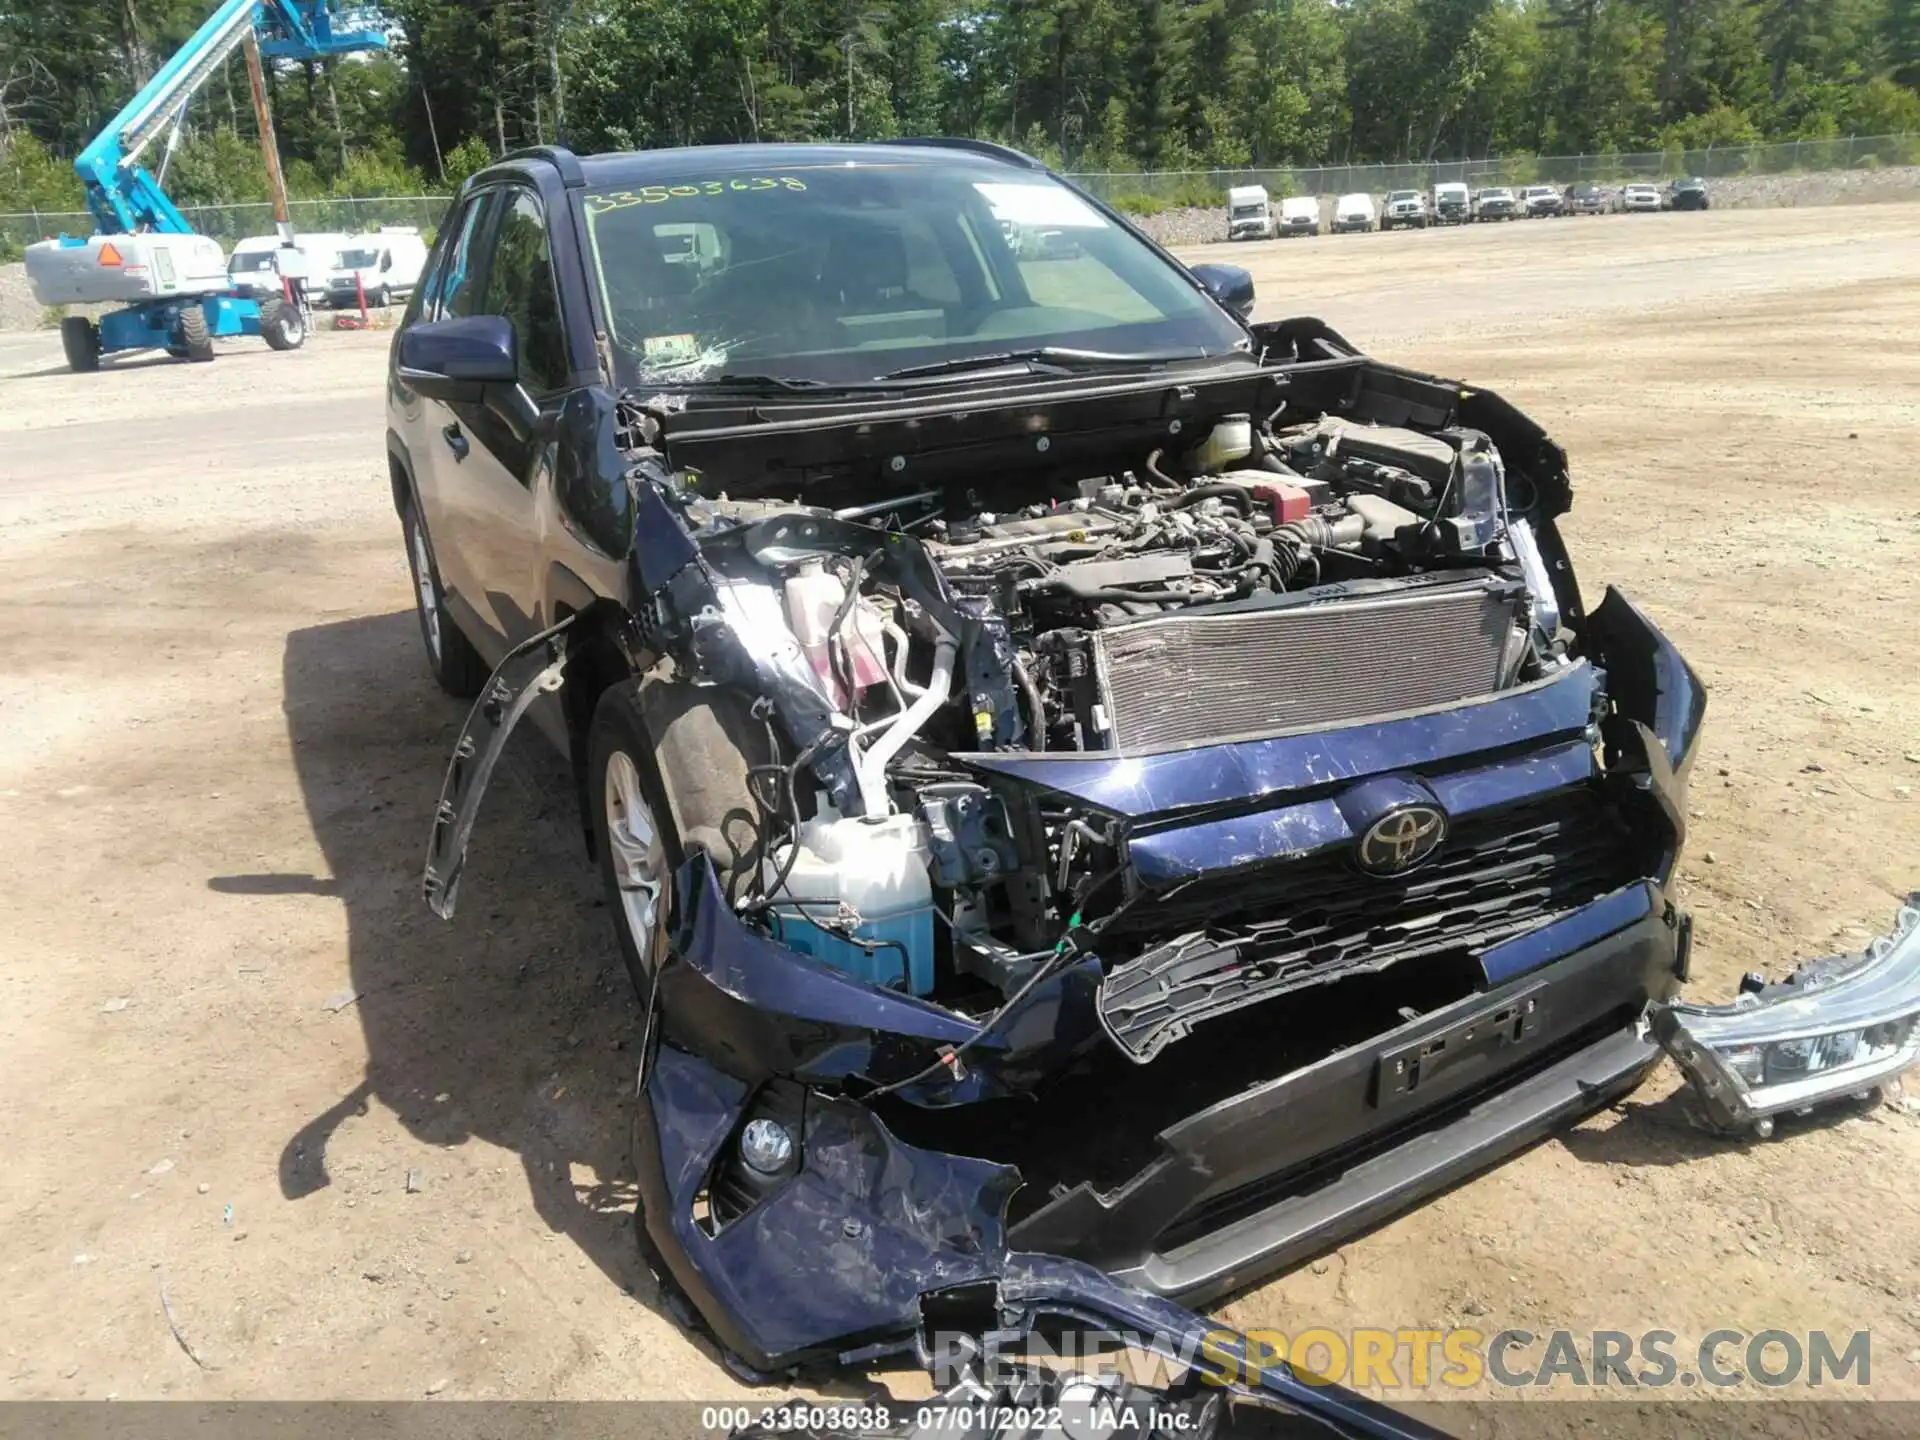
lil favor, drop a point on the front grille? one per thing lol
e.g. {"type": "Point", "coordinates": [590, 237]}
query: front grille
{"type": "Point", "coordinates": [1250, 935]}
{"type": "Point", "coordinates": [1196, 677]}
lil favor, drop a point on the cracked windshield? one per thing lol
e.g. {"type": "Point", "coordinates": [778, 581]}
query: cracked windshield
{"type": "Point", "coordinates": [849, 272]}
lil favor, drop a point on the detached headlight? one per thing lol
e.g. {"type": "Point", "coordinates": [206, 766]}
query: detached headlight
{"type": "Point", "coordinates": [1836, 1026]}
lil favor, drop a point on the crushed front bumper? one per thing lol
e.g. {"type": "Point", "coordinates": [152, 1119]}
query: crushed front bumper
{"type": "Point", "coordinates": [1836, 1026]}
{"type": "Point", "coordinates": [1285, 1170]}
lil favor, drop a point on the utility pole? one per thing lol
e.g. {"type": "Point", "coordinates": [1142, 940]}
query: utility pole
{"type": "Point", "coordinates": [269, 146]}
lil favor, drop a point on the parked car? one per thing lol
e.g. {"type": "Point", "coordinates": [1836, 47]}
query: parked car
{"type": "Point", "coordinates": [1354, 212]}
{"type": "Point", "coordinates": [1540, 201]}
{"type": "Point", "coordinates": [1687, 193]}
{"type": "Point", "coordinates": [1405, 209]}
{"type": "Point", "coordinates": [1495, 203]}
{"type": "Point", "coordinates": [922, 769]}
{"type": "Point", "coordinates": [1584, 200]}
{"type": "Point", "coordinates": [1300, 215]}
{"type": "Point", "coordinates": [1249, 213]}
{"type": "Point", "coordinates": [1640, 198]}
{"type": "Point", "coordinates": [1452, 204]}
{"type": "Point", "coordinates": [383, 265]}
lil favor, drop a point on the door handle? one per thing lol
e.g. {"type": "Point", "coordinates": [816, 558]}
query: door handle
{"type": "Point", "coordinates": [456, 441]}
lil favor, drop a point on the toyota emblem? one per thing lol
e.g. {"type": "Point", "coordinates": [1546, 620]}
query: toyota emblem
{"type": "Point", "coordinates": [1401, 839]}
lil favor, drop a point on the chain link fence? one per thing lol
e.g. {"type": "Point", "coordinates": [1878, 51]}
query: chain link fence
{"type": "Point", "coordinates": [228, 223]}
{"type": "Point", "coordinates": [1209, 187]}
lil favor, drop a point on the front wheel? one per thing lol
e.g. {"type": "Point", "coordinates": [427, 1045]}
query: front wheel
{"type": "Point", "coordinates": [282, 326]}
{"type": "Point", "coordinates": [645, 823]}
{"type": "Point", "coordinates": [80, 338]}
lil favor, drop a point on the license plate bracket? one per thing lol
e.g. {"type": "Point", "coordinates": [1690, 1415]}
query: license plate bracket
{"type": "Point", "coordinates": [1408, 1070]}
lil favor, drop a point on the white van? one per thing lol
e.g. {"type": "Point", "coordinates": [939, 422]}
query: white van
{"type": "Point", "coordinates": [383, 264]}
{"type": "Point", "coordinates": [1300, 215]}
{"type": "Point", "coordinates": [256, 264]}
{"type": "Point", "coordinates": [1354, 212]}
{"type": "Point", "coordinates": [1249, 213]}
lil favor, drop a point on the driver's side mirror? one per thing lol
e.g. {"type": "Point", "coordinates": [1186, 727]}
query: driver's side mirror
{"type": "Point", "coordinates": [1231, 286]}
{"type": "Point", "coordinates": [456, 360]}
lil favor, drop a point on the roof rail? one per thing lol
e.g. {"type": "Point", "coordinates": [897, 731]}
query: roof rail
{"type": "Point", "coordinates": [561, 158]}
{"type": "Point", "coordinates": [978, 147]}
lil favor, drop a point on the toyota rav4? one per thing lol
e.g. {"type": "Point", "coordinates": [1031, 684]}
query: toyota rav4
{"type": "Point", "coordinates": [1099, 798]}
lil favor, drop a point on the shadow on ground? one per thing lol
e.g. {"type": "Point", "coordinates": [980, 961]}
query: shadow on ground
{"type": "Point", "coordinates": [513, 1023]}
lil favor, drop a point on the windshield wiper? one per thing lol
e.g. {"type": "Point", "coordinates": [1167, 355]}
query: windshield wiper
{"type": "Point", "coordinates": [1057, 358]}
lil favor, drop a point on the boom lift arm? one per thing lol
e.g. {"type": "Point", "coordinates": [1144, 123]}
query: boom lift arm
{"type": "Point", "coordinates": [123, 195]}
{"type": "Point", "coordinates": [172, 282]}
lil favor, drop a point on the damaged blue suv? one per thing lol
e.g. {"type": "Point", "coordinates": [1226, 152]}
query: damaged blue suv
{"type": "Point", "coordinates": [1100, 799]}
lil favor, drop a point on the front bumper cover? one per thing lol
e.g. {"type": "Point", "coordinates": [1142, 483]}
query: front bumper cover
{"type": "Point", "coordinates": [1836, 1026]}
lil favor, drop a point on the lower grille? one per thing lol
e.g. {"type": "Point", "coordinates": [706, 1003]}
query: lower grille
{"type": "Point", "coordinates": [1195, 677]}
{"type": "Point", "coordinates": [1252, 935]}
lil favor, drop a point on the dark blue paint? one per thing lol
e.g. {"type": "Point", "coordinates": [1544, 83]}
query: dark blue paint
{"type": "Point", "coordinates": [845, 1248]}
{"type": "Point", "coordinates": [759, 1009]}
{"type": "Point", "coordinates": [661, 546]}
{"type": "Point", "coordinates": [1173, 781]}
{"type": "Point", "coordinates": [1520, 778]}
{"type": "Point", "coordinates": [1168, 856]}
{"type": "Point", "coordinates": [1650, 678]}
{"type": "Point", "coordinates": [1537, 948]}
{"type": "Point", "coordinates": [1361, 805]}
{"type": "Point", "coordinates": [1163, 857]}
{"type": "Point", "coordinates": [844, 1251]}
{"type": "Point", "coordinates": [455, 360]}
{"type": "Point", "coordinates": [765, 974]}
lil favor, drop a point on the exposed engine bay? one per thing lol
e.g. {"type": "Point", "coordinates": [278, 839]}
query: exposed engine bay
{"type": "Point", "coordinates": [1256, 582]}
{"type": "Point", "coordinates": [1227, 754]}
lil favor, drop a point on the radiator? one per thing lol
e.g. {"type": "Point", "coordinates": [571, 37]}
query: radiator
{"type": "Point", "coordinates": [1194, 677]}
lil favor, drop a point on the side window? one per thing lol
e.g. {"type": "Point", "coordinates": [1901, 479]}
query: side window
{"type": "Point", "coordinates": [520, 287]}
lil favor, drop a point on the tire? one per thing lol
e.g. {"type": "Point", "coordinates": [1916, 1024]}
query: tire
{"type": "Point", "coordinates": [379, 300]}
{"type": "Point", "coordinates": [195, 342]}
{"type": "Point", "coordinates": [282, 326]}
{"type": "Point", "coordinates": [80, 338]}
{"type": "Point", "coordinates": [645, 825]}
{"type": "Point", "coordinates": [456, 665]}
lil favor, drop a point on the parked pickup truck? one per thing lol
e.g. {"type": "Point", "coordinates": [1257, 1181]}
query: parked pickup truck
{"type": "Point", "coordinates": [1263, 787]}
{"type": "Point", "coordinates": [1405, 209]}
{"type": "Point", "coordinates": [1541, 201]}
{"type": "Point", "coordinates": [1495, 203]}
{"type": "Point", "coordinates": [1452, 204]}
{"type": "Point", "coordinates": [1585, 200]}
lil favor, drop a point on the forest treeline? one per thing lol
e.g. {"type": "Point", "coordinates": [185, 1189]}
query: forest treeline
{"type": "Point", "coordinates": [1086, 84]}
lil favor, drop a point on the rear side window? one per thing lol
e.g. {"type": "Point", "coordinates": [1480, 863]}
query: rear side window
{"type": "Point", "coordinates": [520, 287]}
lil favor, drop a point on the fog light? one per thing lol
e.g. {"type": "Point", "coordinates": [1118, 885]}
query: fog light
{"type": "Point", "coordinates": [766, 1146]}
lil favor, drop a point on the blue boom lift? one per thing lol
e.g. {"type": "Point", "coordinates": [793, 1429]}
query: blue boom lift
{"type": "Point", "coordinates": [143, 250]}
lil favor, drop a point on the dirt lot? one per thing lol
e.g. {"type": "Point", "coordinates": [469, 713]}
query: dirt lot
{"type": "Point", "coordinates": [221, 751]}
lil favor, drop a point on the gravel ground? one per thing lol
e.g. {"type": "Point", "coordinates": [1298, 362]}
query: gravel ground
{"type": "Point", "coordinates": [370, 1155]}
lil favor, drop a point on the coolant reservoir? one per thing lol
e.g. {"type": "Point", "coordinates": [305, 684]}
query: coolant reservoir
{"type": "Point", "coordinates": [868, 880]}
{"type": "Point", "coordinates": [814, 597]}
{"type": "Point", "coordinates": [1230, 440]}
